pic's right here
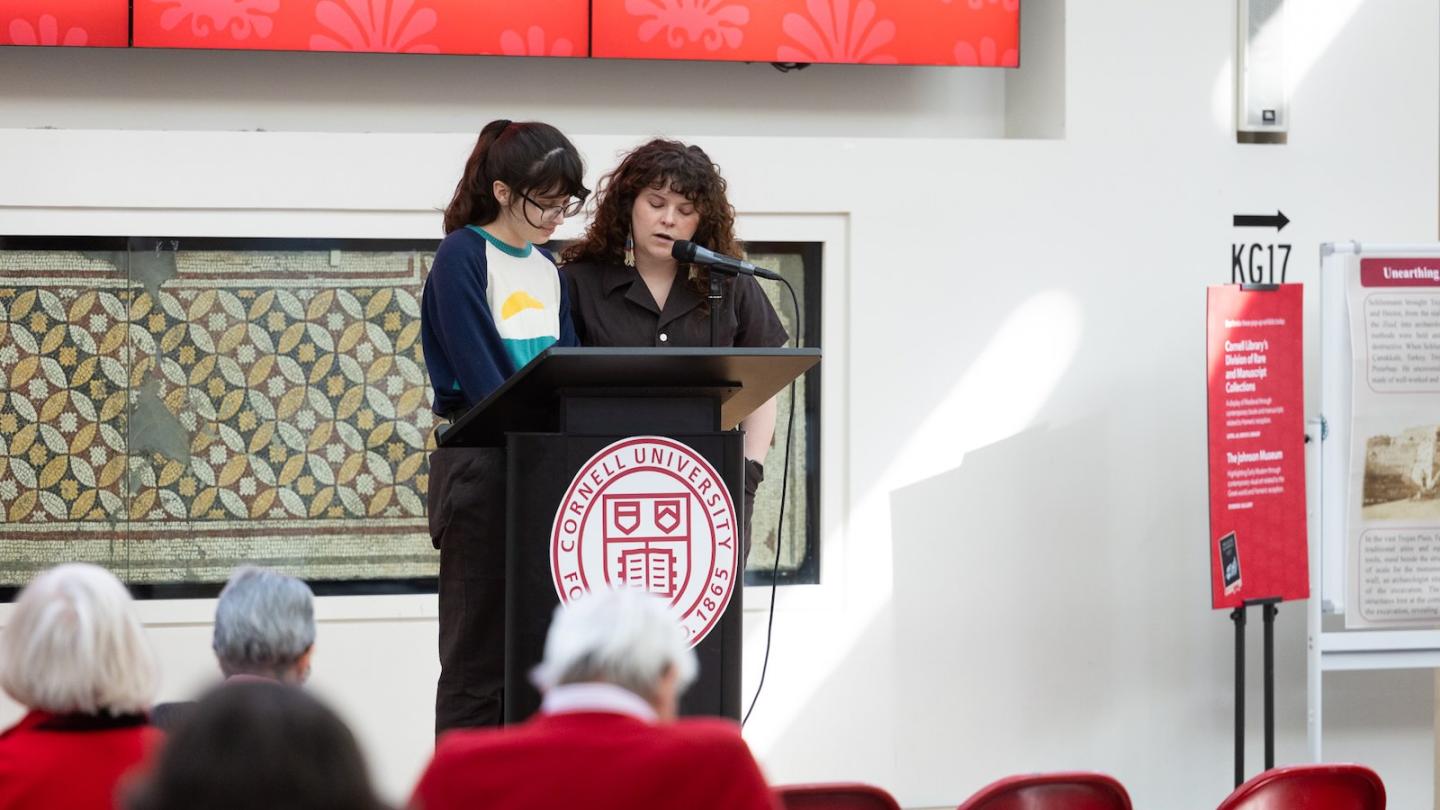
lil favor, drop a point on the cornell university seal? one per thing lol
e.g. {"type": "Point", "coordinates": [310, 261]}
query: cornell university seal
{"type": "Point", "coordinates": [651, 513]}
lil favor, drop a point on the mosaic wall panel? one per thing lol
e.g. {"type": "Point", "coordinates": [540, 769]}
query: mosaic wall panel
{"type": "Point", "coordinates": [171, 413]}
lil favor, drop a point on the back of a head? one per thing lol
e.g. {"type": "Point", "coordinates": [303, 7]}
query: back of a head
{"type": "Point", "coordinates": [258, 745]}
{"type": "Point", "coordinates": [622, 636]}
{"type": "Point", "coordinates": [75, 646]}
{"type": "Point", "coordinates": [264, 623]}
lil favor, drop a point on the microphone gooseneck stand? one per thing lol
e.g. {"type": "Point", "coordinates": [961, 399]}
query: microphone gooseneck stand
{"type": "Point", "coordinates": [717, 295]}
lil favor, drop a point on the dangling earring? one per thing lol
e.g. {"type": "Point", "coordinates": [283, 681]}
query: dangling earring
{"type": "Point", "coordinates": [629, 251]}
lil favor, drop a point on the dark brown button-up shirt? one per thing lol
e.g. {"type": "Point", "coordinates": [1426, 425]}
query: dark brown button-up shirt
{"type": "Point", "coordinates": [611, 306]}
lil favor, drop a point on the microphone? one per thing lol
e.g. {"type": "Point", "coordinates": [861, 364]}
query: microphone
{"type": "Point", "coordinates": [686, 251]}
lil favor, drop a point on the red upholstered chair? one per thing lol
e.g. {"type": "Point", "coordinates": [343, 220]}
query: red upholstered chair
{"type": "Point", "coordinates": [835, 796]}
{"type": "Point", "coordinates": [1051, 791]}
{"type": "Point", "coordinates": [1310, 787]}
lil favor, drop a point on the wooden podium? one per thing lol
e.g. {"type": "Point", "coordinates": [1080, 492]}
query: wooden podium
{"type": "Point", "coordinates": [567, 405]}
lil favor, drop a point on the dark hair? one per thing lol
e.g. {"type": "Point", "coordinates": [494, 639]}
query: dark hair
{"type": "Point", "coordinates": [527, 156]}
{"type": "Point", "coordinates": [257, 744]}
{"type": "Point", "coordinates": [686, 170]}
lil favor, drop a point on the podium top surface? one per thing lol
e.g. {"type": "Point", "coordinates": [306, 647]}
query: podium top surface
{"type": "Point", "coordinates": [742, 378]}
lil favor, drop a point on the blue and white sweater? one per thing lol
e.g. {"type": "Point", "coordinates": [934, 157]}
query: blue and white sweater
{"type": "Point", "coordinates": [487, 310]}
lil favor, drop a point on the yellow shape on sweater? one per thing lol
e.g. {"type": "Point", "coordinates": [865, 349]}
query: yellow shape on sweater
{"type": "Point", "coordinates": [517, 303]}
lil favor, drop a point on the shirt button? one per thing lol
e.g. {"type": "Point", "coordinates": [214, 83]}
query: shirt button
{"type": "Point", "coordinates": [664, 337]}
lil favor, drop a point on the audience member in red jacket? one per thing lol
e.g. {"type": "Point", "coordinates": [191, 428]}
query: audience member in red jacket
{"type": "Point", "coordinates": [76, 656]}
{"type": "Point", "coordinates": [607, 734]}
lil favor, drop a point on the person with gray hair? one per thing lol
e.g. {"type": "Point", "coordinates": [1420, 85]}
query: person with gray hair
{"type": "Point", "coordinates": [607, 735]}
{"type": "Point", "coordinates": [75, 655]}
{"type": "Point", "coordinates": [264, 629]}
{"type": "Point", "coordinates": [265, 626]}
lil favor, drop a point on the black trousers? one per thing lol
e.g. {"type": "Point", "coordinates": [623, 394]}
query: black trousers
{"type": "Point", "coordinates": [466, 508]}
{"type": "Point", "coordinates": [466, 503]}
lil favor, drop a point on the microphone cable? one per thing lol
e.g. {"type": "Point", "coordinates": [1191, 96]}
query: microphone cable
{"type": "Point", "coordinates": [780, 520]}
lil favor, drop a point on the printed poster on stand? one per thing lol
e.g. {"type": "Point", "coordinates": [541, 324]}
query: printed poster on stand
{"type": "Point", "coordinates": [1256, 396]}
{"type": "Point", "coordinates": [1393, 540]}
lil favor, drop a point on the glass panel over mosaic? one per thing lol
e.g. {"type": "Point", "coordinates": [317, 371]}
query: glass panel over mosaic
{"type": "Point", "coordinates": [170, 409]}
{"type": "Point", "coordinates": [177, 408]}
{"type": "Point", "coordinates": [795, 542]}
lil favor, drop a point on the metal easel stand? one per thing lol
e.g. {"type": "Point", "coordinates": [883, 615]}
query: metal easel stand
{"type": "Point", "coordinates": [1238, 615]}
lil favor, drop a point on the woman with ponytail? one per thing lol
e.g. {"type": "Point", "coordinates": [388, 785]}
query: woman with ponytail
{"type": "Point", "coordinates": [492, 302]}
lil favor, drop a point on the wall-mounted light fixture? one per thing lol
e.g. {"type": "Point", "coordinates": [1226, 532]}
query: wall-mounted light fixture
{"type": "Point", "coordinates": [1262, 104]}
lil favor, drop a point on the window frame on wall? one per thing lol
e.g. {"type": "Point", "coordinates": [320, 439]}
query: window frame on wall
{"type": "Point", "coordinates": [811, 255]}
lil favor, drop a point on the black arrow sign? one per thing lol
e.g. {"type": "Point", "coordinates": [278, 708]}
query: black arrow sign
{"type": "Point", "coordinates": [1278, 222]}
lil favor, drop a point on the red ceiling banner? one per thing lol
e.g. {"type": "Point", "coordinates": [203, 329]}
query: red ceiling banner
{"type": "Point", "coordinates": [498, 27]}
{"type": "Point", "coordinates": [984, 33]}
{"type": "Point", "coordinates": [74, 23]}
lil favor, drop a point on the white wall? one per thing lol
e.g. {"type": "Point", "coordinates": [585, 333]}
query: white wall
{"type": "Point", "coordinates": [1015, 568]}
{"type": "Point", "coordinates": [119, 89]}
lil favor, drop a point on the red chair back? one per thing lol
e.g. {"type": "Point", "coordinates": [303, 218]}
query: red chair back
{"type": "Point", "coordinates": [835, 796]}
{"type": "Point", "coordinates": [1310, 787]}
{"type": "Point", "coordinates": [1051, 791]}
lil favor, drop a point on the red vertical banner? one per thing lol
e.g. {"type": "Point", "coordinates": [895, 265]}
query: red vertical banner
{"type": "Point", "coordinates": [73, 23]}
{"type": "Point", "coordinates": [1256, 398]}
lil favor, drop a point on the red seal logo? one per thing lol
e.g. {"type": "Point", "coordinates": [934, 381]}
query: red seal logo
{"type": "Point", "coordinates": [651, 513]}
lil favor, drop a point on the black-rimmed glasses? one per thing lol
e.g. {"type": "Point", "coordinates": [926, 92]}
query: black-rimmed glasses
{"type": "Point", "coordinates": [548, 212]}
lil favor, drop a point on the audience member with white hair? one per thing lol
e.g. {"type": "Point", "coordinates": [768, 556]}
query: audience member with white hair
{"type": "Point", "coordinates": [75, 655]}
{"type": "Point", "coordinates": [607, 735]}
{"type": "Point", "coordinates": [264, 629]}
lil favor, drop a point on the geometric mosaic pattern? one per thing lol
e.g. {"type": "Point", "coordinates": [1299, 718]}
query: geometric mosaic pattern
{"type": "Point", "coordinates": [173, 415]}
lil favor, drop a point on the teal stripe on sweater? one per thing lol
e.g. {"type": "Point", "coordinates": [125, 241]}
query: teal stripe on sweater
{"type": "Point", "coordinates": [523, 350]}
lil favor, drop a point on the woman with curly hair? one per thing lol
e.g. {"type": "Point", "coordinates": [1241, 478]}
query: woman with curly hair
{"type": "Point", "coordinates": [627, 290]}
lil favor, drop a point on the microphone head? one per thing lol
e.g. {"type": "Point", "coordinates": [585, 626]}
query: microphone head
{"type": "Point", "coordinates": [683, 250]}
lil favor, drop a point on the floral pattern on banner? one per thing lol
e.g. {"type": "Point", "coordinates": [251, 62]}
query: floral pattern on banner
{"type": "Point", "coordinates": [988, 54]}
{"type": "Point", "coordinates": [46, 31]}
{"type": "Point", "coordinates": [713, 23]}
{"type": "Point", "coordinates": [237, 19]}
{"type": "Point", "coordinates": [912, 32]}
{"type": "Point", "coordinates": [533, 44]}
{"type": "Point", "coordinates": [65, 23]}
{"type": "Point", "coordinates": [374, 26]}
{"type": "Point", "coordinates": [836, 31]}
